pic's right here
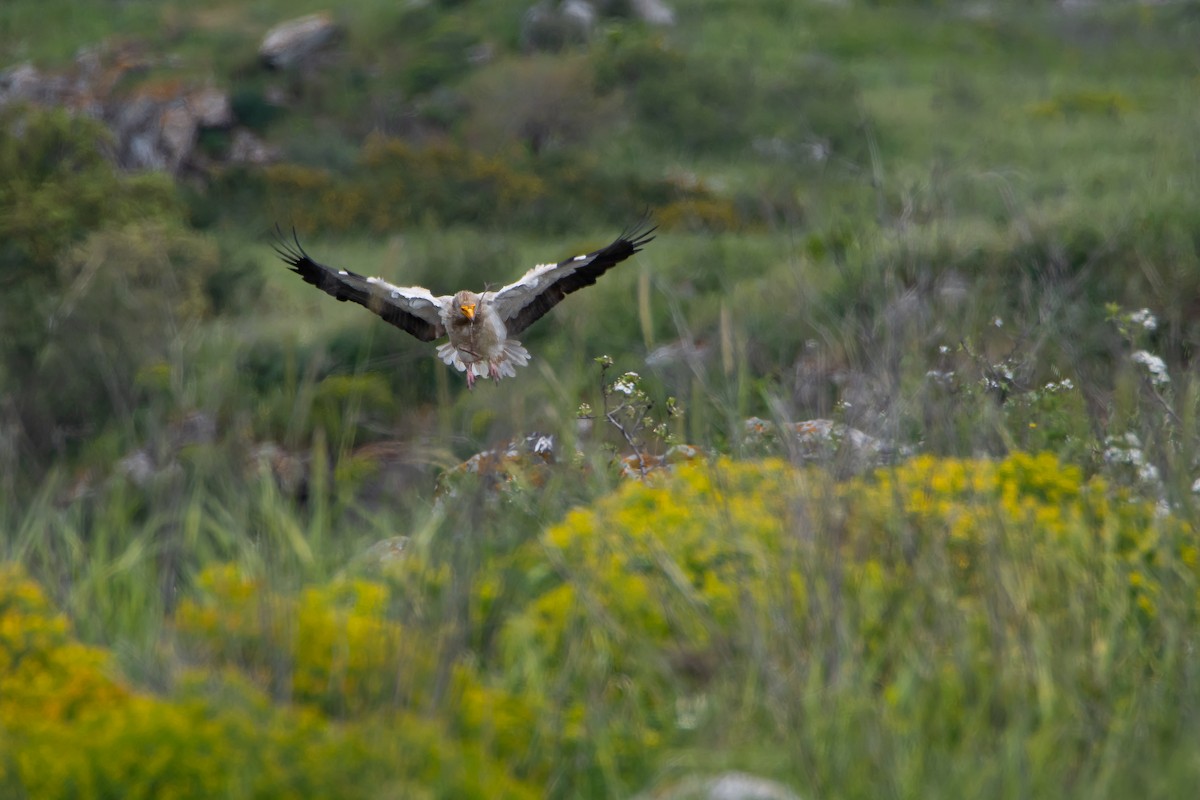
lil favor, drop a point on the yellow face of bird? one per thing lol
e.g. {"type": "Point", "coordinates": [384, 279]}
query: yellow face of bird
{"type": "Point", "coordinates": [468, 310]}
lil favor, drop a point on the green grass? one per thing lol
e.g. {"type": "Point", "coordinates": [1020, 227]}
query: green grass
{"type": "Point", "coordinates": [942, 279]}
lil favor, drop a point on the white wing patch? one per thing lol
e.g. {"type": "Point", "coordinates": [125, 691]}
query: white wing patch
{"type": "Point", "coordinates": [516, 295]}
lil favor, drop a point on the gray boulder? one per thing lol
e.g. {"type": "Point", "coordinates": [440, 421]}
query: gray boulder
{"type": "Point", "coordinates": [551, 25]}
{"type": "Point", "coordinates": [158, 130]}
{"type": "Point", "coordinates": [291, 43]}
{"type": "Point", "coordinates": [652, 12]}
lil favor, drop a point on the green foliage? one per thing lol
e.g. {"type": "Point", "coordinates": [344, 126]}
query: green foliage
{"type": "Point", "coordinates": [919, 221]}
{"type": "Point", "coordinates": [252, 109]}
{"type": "Point", "coordinates": [122, 298]}
{"type": "Point", "coordinates": [96, 278]}
{"type": "Point", "coordinates": [58, 188]}
{"type": "Point", "coordinates": [397, 185]}
{"type": "Point", "coordinates": [344, 404]}
{"type": "Point", "coordinates": [704, 104]}
{"type": "Point", "coordinates": [942, 601]}
{"type": "Point", "coordinates": [1112, 104]}
{"type": "Point", "coordinates": [541, 103]}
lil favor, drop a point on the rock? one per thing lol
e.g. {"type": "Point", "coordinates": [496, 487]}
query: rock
{"type": "Point", "coordinates": [20, 84]}
{"type": "Point", "coordinates": [531, 456]}
{"type": "Point", "coordinates": [158, 127]}
{"type": "Point", "coordinates": [176, 136]}
{"type": "Point", "coordinates": [210, 107]}
{"type": "Point", "coordinates": [246, 148]}
{"type": "Point", "coordinates": [193, 428]}
{"type": "Point", "coordinates": [653, 12]}
{"type": "Point", "coordinates": [551, 26]}
{"type": "Point", "coordinates": [727, 786]}
{"type": "Point", "coordinates": [294, 41]}
{"type": "Point", "coordinates": [635, 467]}
{"type": "Point", "coordinates": [138, 467]}
{"type": "Point", "coordinates": [154, 127]}
{"type": "Point", "coordinates": [821, 441]}
{"type": "Point", "coordinates": [289, 469]}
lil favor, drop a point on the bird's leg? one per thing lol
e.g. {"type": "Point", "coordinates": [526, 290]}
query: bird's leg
{"type": "Point", "coordinates": [493, 371]}
{"type": "Point", "coordinates": [470, 377]}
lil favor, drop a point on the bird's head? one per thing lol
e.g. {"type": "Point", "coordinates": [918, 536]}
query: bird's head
{"type": "Point", "coordinates": [466, 303]}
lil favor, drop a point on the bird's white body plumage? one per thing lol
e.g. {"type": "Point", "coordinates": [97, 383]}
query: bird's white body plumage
{"type": "Point", "coordinates": [479, 344]}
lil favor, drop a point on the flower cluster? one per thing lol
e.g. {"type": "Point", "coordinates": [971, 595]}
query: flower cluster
{"type": "Point", "coordinates": [332, 646]}
{"type": "Point", "coordinates": [68, 729]}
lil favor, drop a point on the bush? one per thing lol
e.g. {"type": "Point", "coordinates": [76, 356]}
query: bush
{"type": "Point", "coordinates": [700, 105]}
{"type": "Point", "coordinates": [83, 300]}
{"type": "Point", "coordinates": [69, 729]}
{"type": "Point", "coordinates": [539, 103]}
{"type": "Point", "coordinates": [893, 591]}
{"type": "Point", "coordinates": [123, 297]}
{"type": "Point", "coordinates": [58, 187]}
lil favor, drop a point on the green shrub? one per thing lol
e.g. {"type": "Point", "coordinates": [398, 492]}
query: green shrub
{"type": "Point", "coordinates": [125, 295]}
{"type": "Point", "coordinates": [84, 299]}
{"type": "Point", "coordinates": [58, 188]}
{"type": "Point", "coordinates": [540, 103]}
{"type": "Point", "coordinates": [705, 105]}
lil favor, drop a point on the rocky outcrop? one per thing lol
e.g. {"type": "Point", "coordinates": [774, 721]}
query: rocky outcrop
{"type": "Point", "coordinates": [652, 12]}
{"type": "Point", "coordinates": [158, 126]}
{"type": "Point", "coordinates": [552, 25]}
{"type": "Point", "coordinates": [246, 148]}
{"type": "Point", "coordinates": [83, 88]}
{"type": "Point", "coordinates": [155, 126]}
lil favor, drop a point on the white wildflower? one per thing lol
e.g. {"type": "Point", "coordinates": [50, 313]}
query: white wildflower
{"type": "Point", "coordinates": [999, 323]}
{"type": "Point", "coordinates": [1154, 365]}
{"type": "Point", "coordinates": [1144, 318]}
{"type": "Point", "coordinates": [626, 384]}
{"type": "Point", "coordinates": [1196, 485]}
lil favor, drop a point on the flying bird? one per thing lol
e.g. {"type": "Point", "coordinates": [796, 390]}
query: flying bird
{"type": "Point", "coordinates": [479, 324]}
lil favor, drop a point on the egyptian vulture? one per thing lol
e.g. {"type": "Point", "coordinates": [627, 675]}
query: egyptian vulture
{"type": "Point", "coordinates": [478, 324]}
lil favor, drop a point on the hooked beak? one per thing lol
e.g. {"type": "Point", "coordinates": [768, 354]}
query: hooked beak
{"type": "Point", "coordinates": [468, 311]}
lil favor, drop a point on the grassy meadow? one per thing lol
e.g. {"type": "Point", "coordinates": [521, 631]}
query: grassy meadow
{"type": "Point", "coordinates": [237, 558]}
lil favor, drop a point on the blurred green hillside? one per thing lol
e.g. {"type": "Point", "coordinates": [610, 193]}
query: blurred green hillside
{"type": "Point", "coordinates": [966, 232]}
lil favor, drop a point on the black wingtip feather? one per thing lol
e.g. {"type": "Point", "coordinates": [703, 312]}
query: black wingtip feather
{"type": "Point", "coordinates": [630, 241]}
{"type": "Point", "coordinates": [291, 252]}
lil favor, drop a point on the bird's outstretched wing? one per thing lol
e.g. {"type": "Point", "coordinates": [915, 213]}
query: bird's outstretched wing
{"type": "Point", "coordinates": [410, 308]}
{"type": "Point", "coordinates": [525, 301]}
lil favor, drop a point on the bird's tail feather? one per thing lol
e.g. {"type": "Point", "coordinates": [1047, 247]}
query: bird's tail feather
{"type": "Point", "coordinates": [514, 355]}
